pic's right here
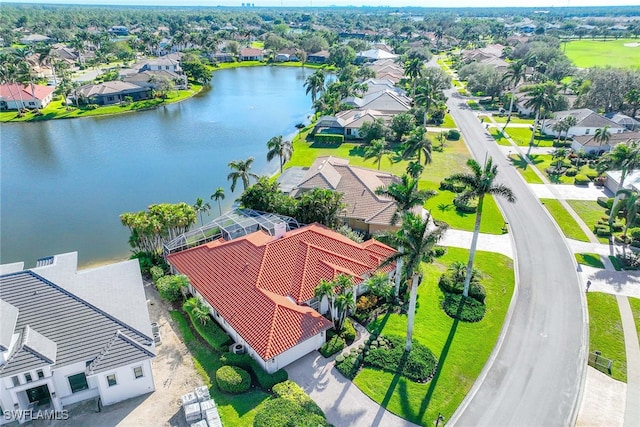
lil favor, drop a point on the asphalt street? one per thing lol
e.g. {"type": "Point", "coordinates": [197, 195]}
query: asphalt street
{"type": "Point", "coordinates": [536, 371]}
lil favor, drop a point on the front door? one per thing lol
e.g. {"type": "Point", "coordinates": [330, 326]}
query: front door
{"type": "Point", "coordinates": [39, 395]}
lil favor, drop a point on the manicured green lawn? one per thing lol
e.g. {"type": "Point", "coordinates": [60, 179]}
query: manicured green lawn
{"type": "Point", "coordinates": [514, 119]}
{"type": "Point", "coordinates": [592, 260]}
{"type": "Point", "coordinates": [543, 162]}
{"type": "Point", "coordinates": [448, 121]}
{"type": "Point", "coordinates": [605, 332]}
{"type": "Point", "coordinates": [462, 348]}
{"type": "Point", "coordinates": [473, 105]}
{"type": "Point", "coordinates": [55, 110]}
{"type": "Point", "coordinates": [614, 53]}
{"type": "Point", "coordinates": [522, 136]}
{"type": "Point", "coordinates": [525, 169]}
{"type": "Point", "coordinates": [234, 410]}
{"type": "Point", "coordinates": [565, 221]}
{"type": "Point", "coordinates": [499, 137]}
{"type": "Point", "coordinates": [635, 309]}
{"type": "Point", "coordinates": [590, 212]}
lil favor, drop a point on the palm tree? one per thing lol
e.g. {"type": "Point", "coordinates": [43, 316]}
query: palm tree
{"type": "Point", "coordinates": [570, 121]}
{"type": "Point", "coordinates": [326, 290]}
{"type": "Point", "coordinates": [630, 204]}
{"type": "Point", "coordinates": [559, 127]}
{"type": "Point", "coordinates": [376, 150]}
{"type": "Point", "coordinates": [315, 84]}
{"type": "Point", "coordinates": [543, 97]}
{"type": "Point", "coordinates": [197, 309]}
{"type": "Point", "coordinates": [418, 240]}
{"type": "Point", "coordinates": [423, 95]}
{"type": "Point", "coordinates": [201, 206]}
{"type": "Point", "coordinates": [344, 301]}
{"type": "Point", "coordinates": [624, 157]}
{"type": "Point", "coordinates": [515, 73]}
{"type": "Point", "coordinates": [414, 69]}
{"type": "Point", "coordinates": [414, 170]}
{"type": "Point", "coordinates": [417, 145]}
{"type": "Point", "coordinates": [559, 154]}
{"type": "Point", "coordinates": [279, 147]}
{"type": "Point", "coordinates": [217, 196]}
{"type": "Point", "coordinates": [241, 170]}
{"type": "Point", "coordinates": [380, 285]}
{"type": "Point", "coordinates": [405, 195]}
{"type": "Point", "coordinates": [479, 182]}
{"type": "Point", "coordinates": [602, 135]}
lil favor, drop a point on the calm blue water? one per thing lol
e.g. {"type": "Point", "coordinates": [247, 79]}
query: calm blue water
{"type": "Point", "coordinates": [64, 183]}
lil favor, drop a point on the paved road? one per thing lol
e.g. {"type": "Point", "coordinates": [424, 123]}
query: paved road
{"type": "Point", "coordinates": [536, 372]}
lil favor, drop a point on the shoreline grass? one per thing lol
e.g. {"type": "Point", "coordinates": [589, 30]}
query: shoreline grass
{"type": "Point", "coordinates": [462, 348]}
{"type": "Point", "coordinates": [565, 221]}
{"type": "Point", "coordinates": [605, 332]}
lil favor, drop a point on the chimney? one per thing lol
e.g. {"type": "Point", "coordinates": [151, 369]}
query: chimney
{"type": "Point", "coordinates": [279, 229]}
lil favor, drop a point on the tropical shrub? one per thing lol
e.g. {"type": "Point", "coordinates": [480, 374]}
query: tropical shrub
{"type": "Point", "coordinates": [327, 138]}
{"type": "Point", "coordinates": [592, 174]}
{"type": "Point", "coordinates": [463, 308]}
{"type": "Point", "coordinates": [262, 377]}
{"type": "Point", "coordinates": [449, 185]}
{"type": "Point", "coordinates": [281, 412]}
{"type": "Point", "coordinates": [468, 206]}
{"type": "Point", "coordinates": [571, 172]}
{"type": "Point", "coordinates": [453, 135]}
{"type": "Point", "coordinates": [634, 233]}
{"type": "Point", "coordinates": [476, 290]}
{"type": "Point", "coordinates": [211, 332]}
{"type": "Point", "coordinates": [581, 179]}
{"type": "Point", "coordinates": [334, 345]}
{"type": "Point", "coordinates": [293, 392]}
{"type": "Point", "coordinates": [420, 364]}
{"type": "Point", "coordinates": [348, 332]}
{"type": "Point", "coordinates": [233, 380]}
{"type": "Point", "coordinates": [170, 287]}
{"type": "Point", "coordinates": [349, 366]}
{"type": "Point", "coordinates": [156, 273]}
{"type": "Point", "coordinates": [366, 302]}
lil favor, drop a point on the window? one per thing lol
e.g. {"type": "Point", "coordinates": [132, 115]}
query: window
{"type": "Point", "coordinates": [16, 380]}
{"type": "Point", "coordinates": [137, 372]}
{"type": "Point", "coordinates": [111, 380]}
{"type": "Point", "coordinates": [27, 377]}
{"type": "Point", "coordinates": [78, 382]}
{"type": "Point", "coordinates": [40, 374]}
{"type": "Point", "coordinates": [586, 132]}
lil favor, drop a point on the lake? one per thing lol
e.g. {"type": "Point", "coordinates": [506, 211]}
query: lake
{"type": "Point", "coordinates": [64, 183]}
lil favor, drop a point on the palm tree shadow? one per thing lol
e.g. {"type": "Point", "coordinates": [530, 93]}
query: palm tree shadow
{"type": "Point", "coordinates": [357, 151]}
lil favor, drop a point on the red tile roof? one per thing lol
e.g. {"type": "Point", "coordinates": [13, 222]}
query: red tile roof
{"type": "Point", "coordinates": [257, 282]}
{"type": "Point", "coordinates": [13, 92]}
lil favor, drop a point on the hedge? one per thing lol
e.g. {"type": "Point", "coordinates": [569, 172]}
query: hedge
{"type": "Point", "coordinates": [293, 392]}
{"type": "Point", "coordinates": [212, 333]}
{"type": "Point", "coordinates": [349, 366]}
{"type": "Point", "coordinates": [463, 308]}
{"type": "Point", "coordinates": [476, 290]}
{"type": "Point", "coordinates": [387, 353]}
{"type": "Point", "coordinates": [348, 331]}
{"type": "Point", "coordinates": [232, 379]}
{"type": "Point", "coordinates": [605, 202]}
{"type": "Point", "coordinates": [328, 138]}
{"type": "Point", "coordinates": [453, 135]}
{"type": "Point", "coordinates": [334, 345]}
{"type": "Point", "coordinates": [581, 179]}
{"type": "Point", "coordinates": [282, 412]}
{"type": "Point", "coordinates": [262, 377]}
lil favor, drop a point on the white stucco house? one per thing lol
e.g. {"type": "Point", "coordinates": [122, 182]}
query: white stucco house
{"type": "Point", "coordinates": [260, 288]}
{"type": "Point", "coordinates": [587, 122]}
{"type": "Point", "coordinates": [68, 336]}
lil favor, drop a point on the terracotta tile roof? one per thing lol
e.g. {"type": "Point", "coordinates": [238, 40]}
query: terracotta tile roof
{"type": "Point", "coordinates": [13, 92]}
{"type": "Point", "coordinates": [257, 282]}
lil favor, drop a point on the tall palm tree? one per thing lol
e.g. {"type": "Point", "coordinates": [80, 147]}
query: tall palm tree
{"type": "Point", "coordinates": [241, 170]}
{"type": "Point", "coordinates": [414, 69]}
{"type": "Point", "coordinates": [315, 84]}
{"type": "Point", "coordinates": [514, 75]}
{"type": "Point", "coordinates": [569, 122]}
{"type": "Point", "coordinates": [405, 195]}
{"type": "Point", "coordinates": [630, 204]}
{"type": "Point", "coordinates": [417, 145]}
{"type": "Point", "coordinates": [414, 170]}
{"type": "Point", "coordinates": [559, 154]}
{"type": "Point", "coordinates": [201, 207]}
{"type": "Point", "coordinates": [543, 97]}
{"type": "Point", "coordinates": [279, 147]}
{"type": "Point", "coordinates": [602, 135]}
{"type": "Point", "coordinates": [217, 196]}
{"type": "Point", "coordinates": [326, 290]}
{"type": "Point", "coordinates": [376, 150]}
{"type": "Point", "coordinates": [624, 157]}
{"type": "Point", "coordinates": [344, 301]}
{"type": "Point", "coordinates": [418, 240]}
{"type": "Point", "coordinates": [479, 182]}
{"type": "Point", "coordinates": [423, 95]}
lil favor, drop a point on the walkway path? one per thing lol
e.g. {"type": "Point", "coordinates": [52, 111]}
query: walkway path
{"type": "Point", "coordinates": [342, 401]}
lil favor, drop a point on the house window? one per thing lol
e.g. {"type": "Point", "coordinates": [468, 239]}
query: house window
{"type": "Point", "coordinates": [40, 374]}
{"type": "Point", "coordinates": [110, 98]}
{"type": "Point", "coordinates": [137, 372]}
{"type": "Point", "coordinates": [27, 377]}
{"type": "Point", "coordinates": [16, 380]}
{"type": "Point", "coordinates": [111, 380]}
{"type": "Point", "coordinates": [587, 131]}
{"type": "Point", "coordinates": [78, 382]}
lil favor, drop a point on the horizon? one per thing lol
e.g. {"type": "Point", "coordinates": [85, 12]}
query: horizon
{"type": "Point", "coordinates": [335, 3]}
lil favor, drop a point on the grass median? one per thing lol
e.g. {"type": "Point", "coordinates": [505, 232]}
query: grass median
{"type": "Point", "coordinates": [605, 332]}
{"type": "Point", "coordinates": [565, 221]}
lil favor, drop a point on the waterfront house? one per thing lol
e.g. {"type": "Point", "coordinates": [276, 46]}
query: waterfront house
{"type": "Point", "coordinates": [260, 288]}
{"type": "Point", "coordinates": [68, 336]}
{"type": "Point", "coordinates": [386, 102]}
{"type": "Point", "coordinates": [15, 96]}
{"type": "Point", "coordinates": [113, 92]}
{"type": "Point", "coordinates": [251, 54]}
{"type": "Point", "coordinates": [348, 123]}
{"type": "Point", "coordinates": [319, 57]}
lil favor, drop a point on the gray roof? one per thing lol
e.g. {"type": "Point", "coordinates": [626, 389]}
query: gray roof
{"type": "Point", "coordinates": [35, 351]}
{"type": "Point", "coordinates": [121, 350]}
{"type": "Point", "coordinates": [80, 330]}
{"type": "Point", "coordinates": [9, 316]}
{"type": "Point", "coordinates": [585, 118]}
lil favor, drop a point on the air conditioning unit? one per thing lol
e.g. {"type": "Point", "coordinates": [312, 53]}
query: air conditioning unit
{"type": "Point", "coordinates": [238, 349]}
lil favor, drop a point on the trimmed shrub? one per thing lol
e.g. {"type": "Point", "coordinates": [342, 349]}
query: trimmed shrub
{"type": "Point", "coordinates": [476, 290]}
{"type": "Point", "coordinates": [349, 367]}
{"type": "Point", "coordinates": [170, 287]}
{"type": "Point", "coordinates": [327, 138]}
{"type": "Point", "coordinates": [571, 172]}
{"type": "Point", "coordinates": [603, 232]}
{"type": "Point", "coordinates": [293, 392]}
{"type": "Point", "coordinates": [156, 273]}
{"type": "Point", "coordinates": [634, 233]}
{"type": "Point", "coordinates": [463, 308]}
{"type": "Point", "coordinates": [281, 412]}
{"type": "Point", "coordinates": [262, 377]}
{"type": "Point", "coordinates": [439, 251]}
{"type": "Point", "coordinates": [211, 332]}
{"type": "Point", "coordinates": [419, 365]}
{"type": "Point", "coordinates": [334, 345]}
{"type": "Point", "coordinates": [581, 179]}
{"type": "Point", "coordinates": [92, 106]}
{"type": "Point", "coordinates": [348, 331]}
{"type": "Point", "coordinates": [232, 379]}
{"type": "Point", "coordinates": [453, 135]}
{"type": "Point", "coordinates": [605, 202]}
{"type": "Point", "coordinates": [591, 174]}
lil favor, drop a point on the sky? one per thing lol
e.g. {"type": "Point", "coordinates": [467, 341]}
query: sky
{"type": "Point", "coordinates": [318, 3]}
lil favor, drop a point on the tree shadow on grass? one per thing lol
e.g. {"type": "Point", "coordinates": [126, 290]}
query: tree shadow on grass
{"type": "Point", "coordinates": [357, 151]}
